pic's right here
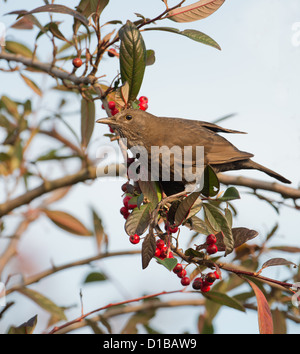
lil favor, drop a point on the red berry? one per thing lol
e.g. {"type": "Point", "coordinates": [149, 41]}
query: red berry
{"type": "Point", "coordinates": [111, 129]}
{"type": "Point", "coordinates": [111, 105]}
{"type": "Point", "coordinates": [205, 288]}
{"type": "Point", "coordinates": [173, 229]}
{"type": "Point", "coordinates": [126, 200]}
{"type": "Point", "coordinates": [170, 255]}
{"type": "Point", "coordinates": [160, 244]}
{"type": "Point", "coordinates": [114, 111]}
{"type": "Point", "coordinates": [134, 239]}
{"type": "Point", "coordinates": [197, 283]}
{"type": "Point", "coordinates": [77, 62]}
{"type": "Point", "coordinates": [210, 277]}
{"type": "Point", "coordinates": [217, 275]}
{"type": "Point", "coordinates": [163, 252]}
{"type": "Point", "coordinates": [157, 252]}
{"type": "Point", "coordinates": [143, 106]}
{"type": "Point", "coordinates": [178, 268]}
{"type": "Point", "coordinates": [182, 273]}
{"type": "Point", "coordinates": [211, 239]}
{"type": "Point", "coordinates": [143, 99]}
{"type": "Point", "coordinates": [211, 249]}
{"type": "Point", "coordinates": [185, 281]}
{"type": "Point", "coordinates": [124, 187]}
{"type": "Point", "coordinates": [124, 211]}
{"type": "Point", "coordinates": [112, 52]}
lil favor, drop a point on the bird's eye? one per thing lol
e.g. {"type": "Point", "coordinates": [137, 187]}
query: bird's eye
{"type": "Point", "coordinates": [128, 117]}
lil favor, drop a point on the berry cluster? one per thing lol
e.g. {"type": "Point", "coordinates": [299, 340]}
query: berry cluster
{"type": "Point", "coordinates": [205, 282]}
{"type": "Point", "coordinates": [125, 210]}
{"type": "Point", "coordinates": [162, 250]}
{"type": "Point", "coordinates": [181, 273]}
{"type": "Point", "coordinates": [211, 246]}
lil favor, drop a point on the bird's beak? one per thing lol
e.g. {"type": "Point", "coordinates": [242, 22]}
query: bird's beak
{"type": "Point", "coordinates": [107, 120]}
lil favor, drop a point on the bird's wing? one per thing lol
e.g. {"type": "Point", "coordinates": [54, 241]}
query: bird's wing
{"type": "Point", "coordinates": [183, 132]}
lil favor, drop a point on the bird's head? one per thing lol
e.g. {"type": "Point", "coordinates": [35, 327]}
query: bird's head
{"type": "Point", "coordinates": [129, 123]}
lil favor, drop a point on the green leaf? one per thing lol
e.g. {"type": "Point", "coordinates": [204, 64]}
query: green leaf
{"type": "Point", "coordinates": [18, 48]}
{"type": "Point", "coordinates": [91, 7]}
{"type": "Point", "coordinates": [138, 220]}
{"type": "Point", "coordinates": [211, 183]}
{"type": "Point", "coordinates": [224, 299]}
{"type": "Point", "coordinates": [189, 33]}
{"type": "Point", "coordinates": [44, 302]}
{"type": "Point", "coordinates": [150, 59]}
{"type": "Point", "coordinates": [231, 193]}
{"type": "Point", "coordinates": [196, 11]}
{"type": "Point", "coordinates": [87, 120]}
{"type": "Point", "coordinates": [219, 223]}
{"type": "Point", "coordinates": [25, 328]}
{"type": "Point", "coordinates": [132, 58]}
{"type": "Point", "coordinates": [94, 277]}
{"type": "Point", "coordinates": [169, 263]}
{"type": "Point", "coordinates": [196, 224]}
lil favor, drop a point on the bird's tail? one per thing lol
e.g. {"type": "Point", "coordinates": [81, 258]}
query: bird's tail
{"type": "Point", "coordinates": [254, 165]}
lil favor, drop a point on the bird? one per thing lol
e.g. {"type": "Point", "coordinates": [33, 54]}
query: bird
{"type": "Point", "coordinates": [144, 129]}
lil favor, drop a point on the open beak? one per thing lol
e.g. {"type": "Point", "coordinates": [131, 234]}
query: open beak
{"type": "Point", "coordinates": [107, 120]}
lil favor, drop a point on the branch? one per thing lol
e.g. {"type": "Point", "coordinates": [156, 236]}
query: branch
{"type": "Point", "coordinates": [145, 306]}
{"type": "Point", "coordinates": [36, 278]}
{"type": "Point", "coordinates": [79, 319]}
{"type": "Point", "coordinates": [286, 192]}
{"type": "Point", "coordinates": [48, 68]}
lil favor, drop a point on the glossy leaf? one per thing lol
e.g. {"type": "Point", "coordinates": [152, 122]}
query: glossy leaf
{"type": "Point", "coordinates": [224, 299]}
{"type": "Point", "coordinates": [276, 262]}
{"type": "Point", "coordinates": [149, 190]}
{"type": "Point", "coordinates": [185, 206]}
{"type": "Point", "coordinates": [169, 263]}
{"type": "Point", "coordinates": [240, 236]}
{"type": "Point", "coordinates": [211, 183]}
{"type": "Point", "coordinates": [132, 58]}
{"type": "Point", "coordinates": [231, 193]}
{"type": "Point", "coordinates": [139, 220]}
{"type": "Point", "coordinates": [189, 33]}
{"type": "Point", "coordinates": [148, 249]}
{"type": "Point", "coordinates": [87, 120]}
{"type": "Point", "coordinates": [196, 11]}
{"type": "Point", "coordinates": [219, 222]}
{"type": "Point", "coordinates": [67, 222]}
